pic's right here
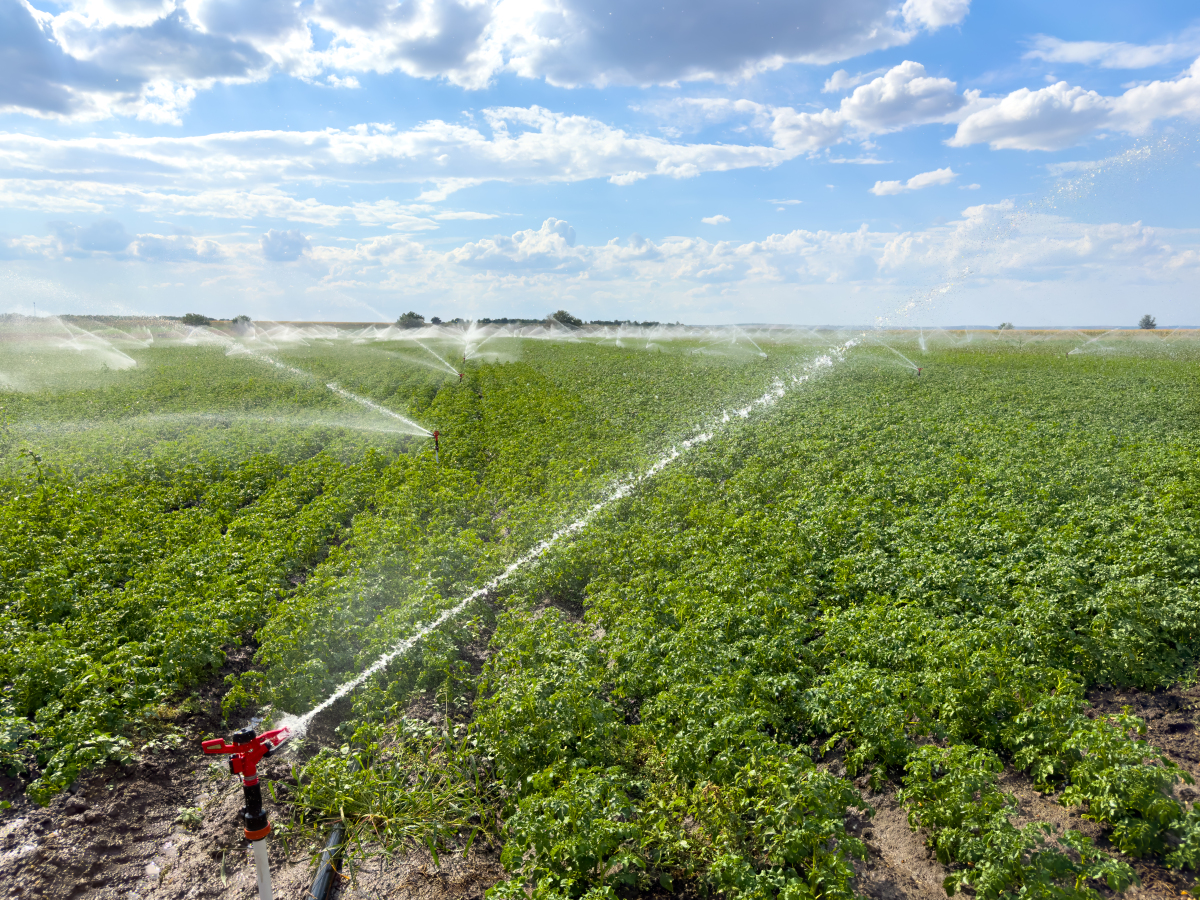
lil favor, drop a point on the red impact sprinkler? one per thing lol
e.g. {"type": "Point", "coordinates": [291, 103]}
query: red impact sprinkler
{"type": "Point", "coordinates": [247, 750]}
{"type": "Point", "coordinates": [460, 377]}
{"type": "Point", "coordinates": [245, 753]}
{"type": "Point", "coordinates": [436, 434]}
{"type": "Point", "coordinates": [918, 371]}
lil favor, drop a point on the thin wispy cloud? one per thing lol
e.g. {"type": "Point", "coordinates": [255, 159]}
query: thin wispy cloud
{"type": "Point", "coordinates": [1114, 54]}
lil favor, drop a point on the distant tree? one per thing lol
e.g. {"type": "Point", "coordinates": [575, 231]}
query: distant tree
{"type": "Point", "coordinates": [241, 323]}
{"type": "Point", "coordinates": [1147, 322]}
{"type": "Point", "coordinates": [562, 317]}
{"type": "Point", "coordinates": [411, 320]}
{"type": "Point", "coordinates": [1006, 326]}
{"type": "Point", "coordinates": [435, 321]}
{"type": "Point", "coordinates": [195, 320]}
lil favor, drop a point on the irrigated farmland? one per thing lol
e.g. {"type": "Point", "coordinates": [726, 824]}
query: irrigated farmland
{"type": "Point", "coordinates": [765, 614]}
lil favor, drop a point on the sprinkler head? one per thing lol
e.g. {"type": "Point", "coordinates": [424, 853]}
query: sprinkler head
{"type": "Point", "coordinates": [247, 750]}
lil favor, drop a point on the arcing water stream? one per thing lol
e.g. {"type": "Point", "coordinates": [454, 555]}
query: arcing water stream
{"type": "Point", "coordinates": [332, 385]}
{"type": "Point", "coordinates": [912, 365]}
{"type": "Point", "coordinates": [370, 404]}
{"type": "Point", "coordinates": [298, 724]}
{"type": "Point", "coordinates": [436, 356]}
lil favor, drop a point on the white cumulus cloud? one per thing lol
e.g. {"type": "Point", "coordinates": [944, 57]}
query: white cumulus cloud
{"type": "Point", "coordinates": [1051, 118]}
{"type": "Point", "coordinates": [935, 14]}
{"type": "Point", "coordinates": [284, 246]}
{"type": "Point", "coordinates": [1062, 115]}
{"type": "Point", "coordinates": [841, 80]}
{"type": "Point", "coordinates": [89, 59]}
{"type": "Point", "coordinates": [903, 97]}
{"type": "Point", "coordinates": [549, 249]}
{"type": "Point", "coordinates": [715, 220]}
{"type": "Point", "coordinates": [916, 183]}
{"type": "Point", "coordinates": [1140, 106]}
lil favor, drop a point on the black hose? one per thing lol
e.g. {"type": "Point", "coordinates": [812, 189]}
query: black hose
{"type": "Point", "coordinates": [327, 868]}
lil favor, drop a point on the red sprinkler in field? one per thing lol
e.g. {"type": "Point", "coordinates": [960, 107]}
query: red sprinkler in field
{"type": "Point", "coordinates": [919, 371]}
{"type": "Point", "coordinates": [245, 753]}
{"type": "Point", "coordinates": [436, 450]}
{"type": "Point", "coordinates": [460, 377]}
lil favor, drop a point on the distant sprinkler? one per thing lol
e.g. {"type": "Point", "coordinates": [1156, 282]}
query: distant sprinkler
{"type": "Point", "coordinates": [436, 452]}
{"type": "Point", "coordinates": [460, 377]}
{"type": "Point", "coordinates": [919, 371]}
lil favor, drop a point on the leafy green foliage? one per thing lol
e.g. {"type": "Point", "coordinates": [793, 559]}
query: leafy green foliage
{"type": "Point", "coordinates": [878, 564]}
{"type": "Point", "coordinates": [152, 519]}
{"type": "Point", "coordinates": [923, 576]}
{"type": "Point", "coordinates": [1125, 784]}
{"type": "Point", "coordinates": [401, 785]}
{"type": "Point", "coordinates": [953, 793]}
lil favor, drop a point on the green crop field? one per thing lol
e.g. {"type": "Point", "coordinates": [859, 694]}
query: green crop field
{"type": "Point", "coordinates": [909, 578]}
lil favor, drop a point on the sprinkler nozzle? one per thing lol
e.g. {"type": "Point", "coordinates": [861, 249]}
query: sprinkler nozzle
{"type": "Point", "coordinates": [247, 750]}
{"type": "Point", "coordinates": [919, 371]}
{"type": "Point", "coordinates": [460, 377]}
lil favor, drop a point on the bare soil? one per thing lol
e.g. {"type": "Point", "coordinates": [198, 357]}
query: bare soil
{"type": "Point", "coordinates": [1172, 717]}
{"type": "Point", "coordinates": [415, 875]}
{"type": "Point", "coordinates": [117, 835]}
{"type": "Point", "coordinates": [900, 867]}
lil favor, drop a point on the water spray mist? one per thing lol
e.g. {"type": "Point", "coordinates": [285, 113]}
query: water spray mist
{"type": "Point", "coordinates": [298, 724]}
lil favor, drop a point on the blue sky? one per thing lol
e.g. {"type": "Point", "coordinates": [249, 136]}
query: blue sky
{"type": "Point", "coordinates": [799, 161]}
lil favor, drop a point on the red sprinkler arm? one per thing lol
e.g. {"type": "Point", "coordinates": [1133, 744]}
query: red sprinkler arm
{"type": "Point", "coordinates": [247, 750]}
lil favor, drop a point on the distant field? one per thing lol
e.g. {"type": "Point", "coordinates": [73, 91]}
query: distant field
{"type": "Point", "coordinates": [885, 575]}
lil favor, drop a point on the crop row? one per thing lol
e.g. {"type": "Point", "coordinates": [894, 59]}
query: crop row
{"type": "Point", "coordinates": [915, 579]}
